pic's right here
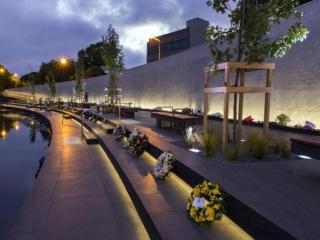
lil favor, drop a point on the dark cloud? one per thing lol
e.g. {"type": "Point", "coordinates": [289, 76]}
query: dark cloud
{"type": "Point", "coordinates": [33, 31]}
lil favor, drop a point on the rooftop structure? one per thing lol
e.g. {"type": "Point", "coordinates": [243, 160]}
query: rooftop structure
{"type": "Point", "coordinates": [194, 34]}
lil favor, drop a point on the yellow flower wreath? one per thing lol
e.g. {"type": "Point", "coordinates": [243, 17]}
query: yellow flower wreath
{"type": "Point", "coordinates": [206, 202]}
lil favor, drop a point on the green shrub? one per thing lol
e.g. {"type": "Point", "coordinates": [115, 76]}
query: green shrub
{"type": "Point", "coordinates": [283, 119]}
{"type": "Point", "coordinates": [281, 146]}
{"type": "Point", "coordinates": [257, 144]}
{"type": "Point", "coordinates": [210, 142]}
{"type": "Point", "coordinates": [251, 139]}
{"type": "Point", "coordinates": [232, 152]}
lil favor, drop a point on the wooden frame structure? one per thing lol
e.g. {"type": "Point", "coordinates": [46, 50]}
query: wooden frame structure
{"type": "Point", "coordinates": [228, 68]}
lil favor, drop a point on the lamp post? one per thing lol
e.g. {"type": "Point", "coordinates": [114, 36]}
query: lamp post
{"type": "Point", "coordinates": [159, 44]}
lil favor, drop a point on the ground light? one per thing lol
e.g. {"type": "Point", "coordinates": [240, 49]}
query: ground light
{"type": "Point", "coordinates": [304, 157]}
{"type": "Point", "coordinates": [194, 150]}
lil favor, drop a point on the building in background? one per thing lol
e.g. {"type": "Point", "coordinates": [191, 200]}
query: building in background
{"type": "Point", "coordinates": [194, 34]}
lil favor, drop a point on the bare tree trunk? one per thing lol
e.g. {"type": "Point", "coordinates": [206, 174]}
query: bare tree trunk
{"type": "Point", "coordinates": [239, 58]}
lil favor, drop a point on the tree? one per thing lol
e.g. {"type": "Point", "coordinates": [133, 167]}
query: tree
{"type": "Point", "coordinates": [61, 72]}
{"type": "Point", "coordinates": [79, 74]}
{"type": "Point", "coordinates": [248, 37]}
{"type": "Point", "coordinates": [113, 57]}
{"type": "Point", "coordinates": [51, 82]}
{"type": "Point", "coordinates": [5, 79]}
{"type": "Point", "coordinates": [91, 56]}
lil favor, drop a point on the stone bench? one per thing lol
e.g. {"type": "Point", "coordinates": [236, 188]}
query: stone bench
{"type": "Point", "coordinates": [176, 121]}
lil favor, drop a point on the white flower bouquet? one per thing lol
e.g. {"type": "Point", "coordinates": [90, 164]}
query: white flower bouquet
{"type": "Point", "coordinates": [164, 165]}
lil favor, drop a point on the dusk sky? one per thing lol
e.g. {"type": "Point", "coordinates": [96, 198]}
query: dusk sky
{"type": "Point", "coordinates": [35, 31]}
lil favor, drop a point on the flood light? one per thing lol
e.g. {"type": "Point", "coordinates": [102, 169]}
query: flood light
{"type": "Point", "coordinates": [304, 157]}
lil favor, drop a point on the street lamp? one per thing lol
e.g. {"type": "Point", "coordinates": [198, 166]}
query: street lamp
{"type": "Point", "coordinates": [159, 43]}
{"type": "Point", "coordinates": [63, 61]}
{"type": "Point", "coordinates": [2, 70]}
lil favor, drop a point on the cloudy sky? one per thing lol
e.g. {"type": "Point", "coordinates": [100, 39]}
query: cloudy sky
{"type": "Point", "coordinates": [35, 31]}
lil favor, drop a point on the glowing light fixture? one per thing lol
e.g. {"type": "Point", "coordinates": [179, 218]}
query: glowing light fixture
{"type": "Point", "coordinates": [2, 70]}
{"type": "Point", "coordinates": [304, 157]}
{"type": "Point", "coordinates": [63, 61]}
{"type": "Point", "coordinates": [194, 150]}
{"type": "Point", "coordinates": [3, 133]}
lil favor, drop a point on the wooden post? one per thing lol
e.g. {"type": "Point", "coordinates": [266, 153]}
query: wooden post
{"type": "Point", "coordinates": [205, 101]}
{"type": "Point", "coordinates": [226, 110]}
{"type": "Point", "coordinates": [240, 111]}
{"type": "Point", "coordinates": [267, 104]}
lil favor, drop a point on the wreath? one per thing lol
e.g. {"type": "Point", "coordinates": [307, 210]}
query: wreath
{"type": "Point", "coordinates": [120, 132]}
{"type": "Point", "coordinates": [164, 165]}
{"type": "Point", "coordinates": [206, 202]}
{"type": "Point", "coordinates": [138, 142]}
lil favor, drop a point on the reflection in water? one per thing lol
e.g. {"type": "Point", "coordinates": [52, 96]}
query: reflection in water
{"type": "Point", "coordinates": [23, 142]}
{"type": "Point", "coordinates": [5, 126]}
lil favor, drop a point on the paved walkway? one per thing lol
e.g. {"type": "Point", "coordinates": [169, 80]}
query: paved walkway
{"type": "Point", "coordinates": [78, 194]}
{"type": "Point", "coordinates": [285, 192]}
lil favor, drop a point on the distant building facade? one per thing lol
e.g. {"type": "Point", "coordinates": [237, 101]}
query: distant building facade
{"type": "Point", "coordinates": [194, 34]}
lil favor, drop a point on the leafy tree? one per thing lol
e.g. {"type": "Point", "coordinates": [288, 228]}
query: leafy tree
{"type": "Point", "coordinates": [93, 71]}
{"type": "Point", "coordinates": [79, 74]}
{"type": "Point", "coordinates": [113, 57]}
{"type": "Point", "coordinates": [51, 82]}
{"type": "Point", "coordinates": [248, 37]}
{"type": "Point", "coordinates": [61, 72]}
{"type": "Point", "coordinates": [8, 80]}
{"type": "Point", "coordinates": [91, 56]}
{"type": "Point", "coordinates": [251, 21]}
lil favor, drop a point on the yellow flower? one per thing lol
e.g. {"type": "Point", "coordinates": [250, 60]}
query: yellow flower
{"type": "Point", "coordinates": [197, 191]}
{"type": "Point", "coordinates": [193, 212]}
{"type": "Point", "coordinates": [210, 212]}
{"type": "Point", "coordinates": [215, 191]}
{"type": "Point", "coordinates": [216, 206]}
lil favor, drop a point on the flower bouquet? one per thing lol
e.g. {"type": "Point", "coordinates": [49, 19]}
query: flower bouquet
{"type": "Point", "coordinates": [249, 119]}
{"type": "Point", "coordinates": [164, 165]}
{"type": "Point", "coordinates": [138, 142]}
{"type": "Point", "coordinates": [309, 125]}
{"type": "Point", "coordinates": [206, 202]}
{"type": "Point", "coordinates": [120, 132]}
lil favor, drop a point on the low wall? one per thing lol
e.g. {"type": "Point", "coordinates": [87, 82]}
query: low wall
{"type": "Point", "coordinates": [177, 80]}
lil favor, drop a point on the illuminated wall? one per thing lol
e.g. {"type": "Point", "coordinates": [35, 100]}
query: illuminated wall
{"type": "Point", "coordinates": [177, 80]}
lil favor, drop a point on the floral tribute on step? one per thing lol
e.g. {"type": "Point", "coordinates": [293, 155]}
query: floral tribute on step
{"type": "Point", "coordinates": [164, 165]}
{"type": "Point", "coordinates": [206, 202]}
{"type": "Point", "coordinates": [120, 132]}
{"type": "Point", "coordinates": [138, 142]}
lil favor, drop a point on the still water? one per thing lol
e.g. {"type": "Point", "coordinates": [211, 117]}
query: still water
{"type": "Point", "coordinates": [23, 142]}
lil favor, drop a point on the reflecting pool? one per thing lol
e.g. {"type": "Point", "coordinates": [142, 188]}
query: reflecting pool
{"type": "Point", "coordinates": [23, 142]}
